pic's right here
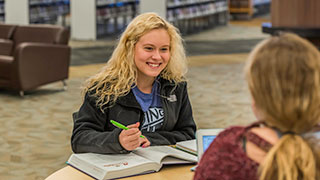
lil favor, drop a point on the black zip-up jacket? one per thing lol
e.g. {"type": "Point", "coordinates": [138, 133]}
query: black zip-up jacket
{"type": "Point", "coordinates": [93, 131]}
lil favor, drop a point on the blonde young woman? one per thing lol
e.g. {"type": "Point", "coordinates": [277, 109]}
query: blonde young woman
{"type": "Point", "coordinates": [142, 87]}
{"type": "Point", "coordinates": [283, 74]}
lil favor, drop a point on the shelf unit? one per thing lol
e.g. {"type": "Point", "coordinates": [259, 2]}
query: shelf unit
{"type": "Point", "coordinates": [48, 11]}
{"type": "Point", "coordinates": [102, 17]}
{"type": "Point", "coordinates": [109, 17]}
{"type": "Point", "coordinates": [37, 11]}
{"type": "Point", "coordinates": [2, 11]}
{"type": "Point", "coordinates": [114, 16]}
{"type": "Point", "coordinates": [248, 8]}
{"type": "Point", "coordinates": [192, 16]}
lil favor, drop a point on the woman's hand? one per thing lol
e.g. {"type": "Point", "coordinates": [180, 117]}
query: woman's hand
{"type": "Point", "coordinates": [144, 142]}
{"type": "Point", "coordinates": [130, 139]}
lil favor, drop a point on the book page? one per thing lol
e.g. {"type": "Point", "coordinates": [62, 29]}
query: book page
{"type": "Point", "coordinates": [189, 146]}
{"type": "Point", "coordinates": [172, 160]}
{"type": "Point", "coordinates": [158, 154]}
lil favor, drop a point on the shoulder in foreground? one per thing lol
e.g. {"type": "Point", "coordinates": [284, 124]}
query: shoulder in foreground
{"type": "Point", "coordinates": [232, 131]}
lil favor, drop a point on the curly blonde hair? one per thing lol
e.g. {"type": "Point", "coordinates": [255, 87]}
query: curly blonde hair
{"type": "Point", "coordinates": [283, 74]}
{"type": "Point", "coordinates": [120, 73]}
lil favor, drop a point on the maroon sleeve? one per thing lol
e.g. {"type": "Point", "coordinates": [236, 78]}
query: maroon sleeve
{"type": "Point", "coordinates": [226, 160]}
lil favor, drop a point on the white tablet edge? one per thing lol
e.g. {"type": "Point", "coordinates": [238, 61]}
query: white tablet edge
{"type": "Point", "coordinates": [205, 132]}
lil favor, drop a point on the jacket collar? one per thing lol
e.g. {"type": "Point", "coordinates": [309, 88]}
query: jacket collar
{"type": "Point", "coordinates": [129, 100]}
{"type": "Point", "coordinates": [165, 83]}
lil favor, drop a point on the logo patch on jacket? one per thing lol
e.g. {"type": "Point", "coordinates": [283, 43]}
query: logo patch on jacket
{"type": "Point", "coordinates": [172, 98]}
{"type": "Point", "coordinates": [153, 119]}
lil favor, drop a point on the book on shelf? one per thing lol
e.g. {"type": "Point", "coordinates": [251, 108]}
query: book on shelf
{"type": "Point", "coordinates": [139, 161]}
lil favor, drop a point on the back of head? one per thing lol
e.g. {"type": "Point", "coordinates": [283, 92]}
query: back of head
{"type": "Point", "coordinates": [283, 74]}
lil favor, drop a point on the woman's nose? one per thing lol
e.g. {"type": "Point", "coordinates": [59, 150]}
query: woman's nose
{"type": "Point", "coordinates": [156, 55]}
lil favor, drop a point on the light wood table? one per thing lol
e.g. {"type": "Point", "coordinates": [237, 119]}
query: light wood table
{"type": "Point", "coordinates": [167, 172]}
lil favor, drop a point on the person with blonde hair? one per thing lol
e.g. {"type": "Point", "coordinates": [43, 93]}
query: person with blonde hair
{"type": "Point", "coordinates": [143, 87]}
{"type": "Point", "coordinates": [283, 75]}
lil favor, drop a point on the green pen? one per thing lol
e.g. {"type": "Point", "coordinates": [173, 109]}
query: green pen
{"type": "Point", "coordinates": [121, 126]}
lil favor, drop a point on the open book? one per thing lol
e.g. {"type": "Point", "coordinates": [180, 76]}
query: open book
{"type": "Point", "coordinates": [139, 161]}
{"type": "Point", "coordinates": [189, 146]}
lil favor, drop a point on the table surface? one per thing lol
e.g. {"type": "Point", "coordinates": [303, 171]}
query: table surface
{"type": "Point", "coordinates": [167, 172]}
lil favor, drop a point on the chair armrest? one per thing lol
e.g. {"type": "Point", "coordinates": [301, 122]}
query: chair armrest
{"type": "Point", "coordinates": [39, 63]}
{"type": "Point", "coordinates": [6, 46]}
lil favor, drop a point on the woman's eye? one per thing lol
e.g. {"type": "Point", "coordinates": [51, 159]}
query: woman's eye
{"type": "Point", "coordinates": [148, 48]}
{"type": "Point", "coordinates": [164, 49]}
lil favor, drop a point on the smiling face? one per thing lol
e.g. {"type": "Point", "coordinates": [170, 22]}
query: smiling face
{"type": "Point", "coordinates": [152, 54]}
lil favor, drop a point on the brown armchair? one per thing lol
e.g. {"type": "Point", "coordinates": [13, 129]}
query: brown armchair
{"type": "Point", "coordinates": [6, 43]}
{"type": "Point", "coordinates": [40, 55]}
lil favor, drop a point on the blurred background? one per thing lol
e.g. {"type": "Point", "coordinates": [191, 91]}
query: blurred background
{"type": "Point", "coordinates": [36, 125]}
